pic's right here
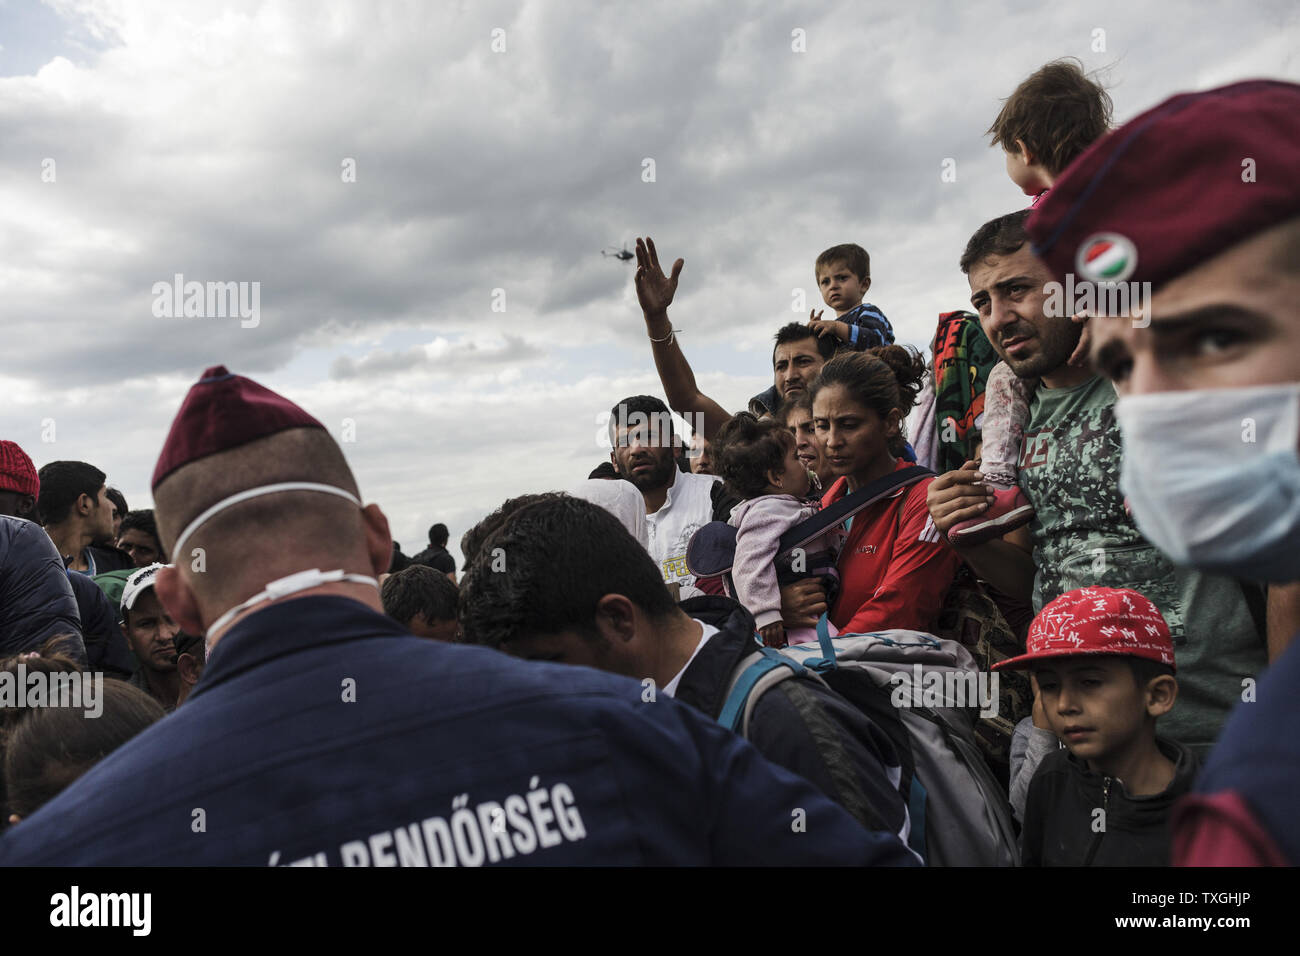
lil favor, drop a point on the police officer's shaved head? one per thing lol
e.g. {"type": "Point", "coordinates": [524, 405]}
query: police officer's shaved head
{"type": "Point", "coordinates": [249, 489]}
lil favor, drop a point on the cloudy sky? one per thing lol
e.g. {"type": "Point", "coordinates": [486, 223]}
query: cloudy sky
{"type": "Point", "coordinates": [389, 171]}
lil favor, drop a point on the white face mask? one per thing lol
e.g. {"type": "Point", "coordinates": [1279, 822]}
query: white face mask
{"type": "Point", "coordinates": [281, 587]}
{"type": "Point", "coordinates": [1213, 477]}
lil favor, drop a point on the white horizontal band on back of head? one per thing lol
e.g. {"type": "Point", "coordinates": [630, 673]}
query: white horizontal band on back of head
{"type": "Point", "coordinates": [284, 587]}
{"type": "Point", "coordinates": [224, 503]}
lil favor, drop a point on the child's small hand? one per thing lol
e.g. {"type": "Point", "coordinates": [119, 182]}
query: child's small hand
{"type": "Point", "coordinates": [773, 634]}
{"type": "Point", "coordinates": [830, 327]}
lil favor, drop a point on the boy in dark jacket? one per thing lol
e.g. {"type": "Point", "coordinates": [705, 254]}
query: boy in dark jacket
{"type": "Point", "coordinates": [1104, 662]}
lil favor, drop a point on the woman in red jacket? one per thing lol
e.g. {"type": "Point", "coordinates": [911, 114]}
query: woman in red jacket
{"type": "Point", "coordinates": [895, 568]}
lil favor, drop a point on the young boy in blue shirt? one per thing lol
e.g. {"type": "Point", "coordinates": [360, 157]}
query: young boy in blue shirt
{"type": "Point", "coordinates": [843, 277]}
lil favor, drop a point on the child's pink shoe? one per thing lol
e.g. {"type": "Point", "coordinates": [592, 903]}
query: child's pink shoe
{"type": "Point", "coordinates": [1010, 509]}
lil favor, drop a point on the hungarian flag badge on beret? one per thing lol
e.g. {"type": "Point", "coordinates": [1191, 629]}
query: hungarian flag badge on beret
{"type": "Point", "coordinates": [1176, 186]}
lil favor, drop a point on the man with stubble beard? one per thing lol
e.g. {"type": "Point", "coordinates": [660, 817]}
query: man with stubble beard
{"type": "Point", "coordinates": [1081, 534]}
{"type": "Point", "coordinates": [677, 503]}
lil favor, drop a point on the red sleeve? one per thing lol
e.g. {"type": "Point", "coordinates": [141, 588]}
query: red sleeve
{"type": "Point", "coordinates": [921, 570]}
{"type": "Point", "coordinates": [1219, 829]}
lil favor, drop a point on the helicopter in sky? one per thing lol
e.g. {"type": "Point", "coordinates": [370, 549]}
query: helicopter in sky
{"type": "Point", "coordinates": [623, 255]}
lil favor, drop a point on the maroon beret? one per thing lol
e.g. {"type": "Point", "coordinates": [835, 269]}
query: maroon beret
{"type": "Point", "coordinates": [17, 473]}
{"type": "Point", "coordinates": [1176, 186]}
{"type": "Point", "coordinates": [223, 411]}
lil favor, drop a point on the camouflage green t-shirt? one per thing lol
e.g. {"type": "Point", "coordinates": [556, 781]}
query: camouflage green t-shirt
{"type": "Point", "coordinates": [1069, 470]}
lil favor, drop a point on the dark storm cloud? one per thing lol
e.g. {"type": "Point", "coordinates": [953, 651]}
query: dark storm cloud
{"type": "Point", "coordinates": [212, 142]}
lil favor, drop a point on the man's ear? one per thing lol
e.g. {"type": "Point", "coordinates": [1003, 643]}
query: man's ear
{"type": "Point", "coordinates": [1161, 693]}
{"type": "Point", "coordinates": [85, 504]}
{"type": "Point", "coordinates": [616, 619]}
{"type": "Point", "coordinates": [379, 540]}
{"type": "Point", "coordinates": [189, 669]}
{"type": "Point", "coordinates": [866, 284]}
{"type": "Point", "coordinates": [27, 507]}
{"type": "Point", "coordinates": [176, 596]}
{"type": "Point", "coordinates": [1028, 157]}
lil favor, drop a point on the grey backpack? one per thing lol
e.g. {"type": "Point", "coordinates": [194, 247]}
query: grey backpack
{"type": "Point", "coordinates": [925, 693]}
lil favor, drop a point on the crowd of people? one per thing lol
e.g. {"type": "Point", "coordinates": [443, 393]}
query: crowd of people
{"type": "Point", "coordinates": [1092, 525]}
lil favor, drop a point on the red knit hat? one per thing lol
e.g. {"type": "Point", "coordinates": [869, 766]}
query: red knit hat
{"type": "Point", "coordinates": [223, 411]}
{"type": "Point", "coordinates": [17, 473]}
{"type": "Point", "coordinates": [1097, 621]}
{"type": "Point", "coordinates": [1174, 187]}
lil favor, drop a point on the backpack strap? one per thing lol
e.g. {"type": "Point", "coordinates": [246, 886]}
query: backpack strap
{"type": "Point", "coordinates": [828, 661]}
{"type": "Point", "coordinates": [756, 674]}
{"type": "Point", "coordinates": [712, 548]}
{"type": "Point", "coordinates": [917, 798]}
{"type": "Point", "coordinates": [850, 505]}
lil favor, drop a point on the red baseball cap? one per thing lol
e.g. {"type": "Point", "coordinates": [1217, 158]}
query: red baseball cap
{"type": "Point", "coordinates": [17, 473]}
{"type": "Point", "coordinates": [1097, 621]}
{"type": "Point", "coordinates": [223, 411]}
{"type": "Point", "coordinates": [1176, 186]}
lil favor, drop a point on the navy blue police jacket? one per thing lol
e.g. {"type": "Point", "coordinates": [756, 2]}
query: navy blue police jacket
{"type": "Point", "coordinates": [1257, 757]}
{"type": "Point", "coordinates": [321, 733]}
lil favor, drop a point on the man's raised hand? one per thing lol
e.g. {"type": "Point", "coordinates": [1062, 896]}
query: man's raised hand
{"type": "Point", "coordinates": [654, 290]}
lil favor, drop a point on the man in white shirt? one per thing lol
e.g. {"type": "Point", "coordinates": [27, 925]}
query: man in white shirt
{"type": "Point", "coordinates": [677, 503]}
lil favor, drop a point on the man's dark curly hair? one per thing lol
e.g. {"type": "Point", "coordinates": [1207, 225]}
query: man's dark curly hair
{"type": "Point", "coordinates": [547, 565]}
{"type": "Point", "coordinates": [471, 542]}
{"type": "Point", "coordinates": [422, 590]}
{"type": "Point", "coordinates": [143, 520]}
